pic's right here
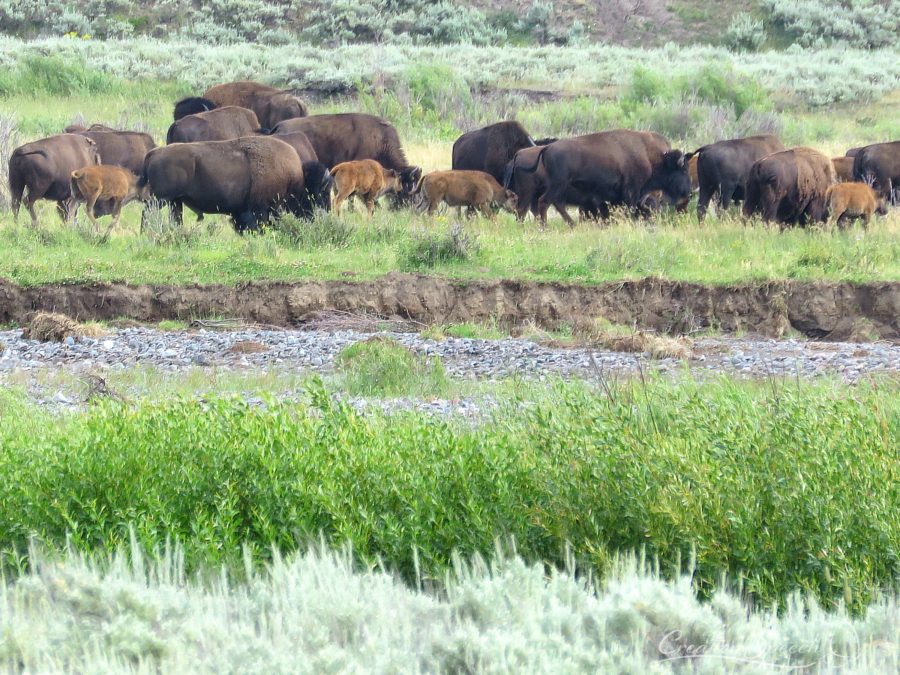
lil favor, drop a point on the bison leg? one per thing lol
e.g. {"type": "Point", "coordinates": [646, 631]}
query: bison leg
{"type": "Point", "coordinates": [703, 200]}
{"type": "Point", "coordinates": [726, 194]}
{"type": "Point", "coordinates": [558, 199]}
{"type": "Point", "coordinates": [91, 203]}
{"type": "Point", "coordinates": [176, 210]}
{"type": "Point", "coordinates": [16, 190]}
{"type": "Point", "coordinates": [342, 195]}
{"type": "Point", "coordinates": [370, 204]}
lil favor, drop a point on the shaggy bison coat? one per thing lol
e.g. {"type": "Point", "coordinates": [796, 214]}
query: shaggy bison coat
{"type": "Point", "coordinates": [723, 167]}
{"type": "Point", "coordinates": [43, 170]}
{"type": "Point", "coordinates": [879, 165]}
{"type": "Point", "coordinates": [612, 168]}
{"type": "Point", "coordinates": [271, 105]}
{"type": "Point", "coordinates": [847, 201]}
{"type": "Point", "coordinates": [126, 149]}
{"type": "Point", "coordinates": [220, 124]}
{"type": "Point", "coordinates": [364, 178]}
{"type": "Point", "coordinates": [843, 169]}
{"type": "Point", "coordinates": [471, 189]}
{"type": "Point", "coordinates": [789, 187]}
{"type": "Point", "coordinates": [490, 148]}
{"type": "Point", "coordinates": [247, 178]}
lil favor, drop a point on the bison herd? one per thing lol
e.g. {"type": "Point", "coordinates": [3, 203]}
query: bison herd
{"type": "Point", "coordinates": [252, 151]}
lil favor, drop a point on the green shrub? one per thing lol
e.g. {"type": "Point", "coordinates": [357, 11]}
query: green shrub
{"type": "Point", "coordinates": [427, 249]}
{"type": "Point", "coordinates": [384, 367]}
{"type": "Point", "coordinates": [816, 23]}
{"type": "Point", "coordinates": [745, 34]}
{"type": "Point", "coordinates": [759, 482]}
{"type": "Point", "coordinates": [55, 76]}
{"type": "Point", "coordinates": [325, 230]}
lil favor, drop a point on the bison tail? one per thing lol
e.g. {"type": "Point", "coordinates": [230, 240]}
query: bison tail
{"type": "Point", "coordinates": [537, 162]}
{"type": "Point", "coordinates": [508, 173]}
{"type": "Point", "coordinates": [418, 186]}
{"type": "Point", "coordinates": [263, 131]}
{"type": "Point", "coordinates": [170, 134]}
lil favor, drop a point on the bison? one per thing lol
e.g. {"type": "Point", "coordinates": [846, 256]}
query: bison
{"type": "Point", "coordinates": [102, 182]}
{"type": "Point", "coordinates": [220, 124]}
{"type": "Point", "coordinates": [843, 169]}
{"type": "Point", "coordinates": [76, 128]}
{"type": "Point", "coordinates": [472, 189]}
{"type": "Point", "coordinates": [347, 137]}
{"type": "Point", "coordinates": [723, 167]}
{"type": "Point", "coordinates": [789, 187]}
{"type": "Point", "coordinates": [126, 149]}
{"type": "Point", "coordinates": [529, 185]}
{"type": "Point", "coordinates": [853, 200]}
{"type": "Point", "coordinates": [491, 148]}
{"type": "Point", "coordinates": [271, 105]}
{"type": "Point", "coordinates": [879, 165]}
{"type": "Point", "coordinates": [612, 168]}
{"type": "Point", "coordinates": [364, 178]}
{"type": "Point", "coordinates": [191, 106]}
{"type": "Point", "coordinates": [247, 178]}
{"type": "Point", "coordinates": [44, 168]}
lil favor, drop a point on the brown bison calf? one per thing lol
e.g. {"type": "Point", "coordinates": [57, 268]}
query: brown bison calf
{"type": "Point", "coordinates": [847, 201]}
{"type": "Point", "coordinates": [104, 182]}
{"type": "Point", "coordinates": [472, 189]}
{"type": "Point", "coordinates": [364, 178]}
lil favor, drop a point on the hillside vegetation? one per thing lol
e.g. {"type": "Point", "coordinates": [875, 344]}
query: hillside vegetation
{"type": "Point", "coordinates": [740, 23]}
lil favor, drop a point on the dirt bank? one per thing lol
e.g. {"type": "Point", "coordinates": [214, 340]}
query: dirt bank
{"type": "Point", "coordinates": [822, 310]}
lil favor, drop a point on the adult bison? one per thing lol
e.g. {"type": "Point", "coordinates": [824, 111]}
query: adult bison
{"type": "Point", "coordinates": [529, 185]}
{"type": "Point", "coordinates": [271, 105]}
{"type": "Point", "coordinates": [491, 148]}
{"type": "Point", "coordinates": [612, 168]}
{"type": "Point", "coordinates": [220, 124]}
{"type": "Point", "coordinates": [723, 167]}
{"type": "Point", "coordinates": [347, 137]}
{"type": "Point", "coordinates": [247, 178]}
{"type": "Point", "coordinates": [191, 106]}
{"type": "Point", "coordinates": [879, 165]}
{"type": "Point", "coordinates": [43, 169]}
{"type": "Point", "coordinates": [125, 149]}
{"type": "Point", "coordinates": [790, 187]}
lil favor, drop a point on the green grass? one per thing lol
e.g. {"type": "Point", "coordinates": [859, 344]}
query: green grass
{"type": "Point", "coordinates": [762, 482]}
{"type": "Point", "coordinates": [384, 367]}
{"type": "Point", "coordinates": [721, 251]}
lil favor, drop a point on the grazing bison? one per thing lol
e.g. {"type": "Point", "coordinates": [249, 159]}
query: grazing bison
{"type": "Point", "coordinates": [879, 165]}
{"type": "Point", "coordinates": [347, 137]}
{"type": "Point", "coordinates": [109, 183]}
{"type": "Point", "coordinates": [847, 201]}
{"type": "Point", "coordinates": [191, 106]}
{"type": "Point", "coordinates": [271, 105]}
{"type": "Point", "coordinates": [300, 142]}
{"type": "Point", "coordinates": [247, 178]}
{"type": "Point", "coordinates": [472, 189]}
{"type": "Point", "coordinates": [843, 169]}
{"type": "Point", "coordinates": [490, 148]}
{"type": "Point", "coordinates": [44, 169]}
{"type": "Point", "coordinates": [789, 187]}
{"type": "Point", "coordinates": [612, 168]}
{"type": "Point", "coordinates": [317, 181]}
{"type": "Point", "coordinates": [723, 167]}
{"type": "Point", "coordinates": [364, 178]}
{"type": "Point", "coordinates": [221, 124]}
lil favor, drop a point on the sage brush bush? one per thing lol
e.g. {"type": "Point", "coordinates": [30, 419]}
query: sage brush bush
{"type": "Point", "coordinates": [132, 613]}
{"type": "Point", "coordinates": [857, 23]}
{"type": "Point", "coordinates": [760, 483]}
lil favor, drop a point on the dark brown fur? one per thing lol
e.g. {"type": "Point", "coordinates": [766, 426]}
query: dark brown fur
{"type": "Point", "coordinates": [220, 124]}
{"type": "Point", "coordinates": [789, 187]}
{"type": "Point", "coordinates": [843, 169]}
{"type": "Point", "coordinates": [879, 166]}
{"type": "Point", "coordinates": [43, 170]}
{"type": "Point", "coordinates": [271, 105]}
{"type": "Point", "coordinates": [490, 148]}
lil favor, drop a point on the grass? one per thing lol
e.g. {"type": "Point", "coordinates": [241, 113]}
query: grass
{"type": "Point", "coordinates": [383, 367]}
{"type": "Point", "coordinates": [759, 482]}
{"type": "Point", "coordinates": [721, 251]}
{"type": "Point", "coordinates": [137, 613]}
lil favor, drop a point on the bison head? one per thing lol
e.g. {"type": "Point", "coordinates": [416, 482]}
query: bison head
{"type": "Point", "coordinates": [881, 206]}
{"type": "Point", "coordinates": [284, 106]}
{"type": "Point", "coordinates": [675, 181]}
{"type": "Point", "coordinates": [510, 201]}
{"type": "Point", "coordinates": [317, 181]}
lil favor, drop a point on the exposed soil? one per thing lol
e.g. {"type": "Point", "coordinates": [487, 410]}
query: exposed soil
{"type": "Point", "coordinates": [820, 310]}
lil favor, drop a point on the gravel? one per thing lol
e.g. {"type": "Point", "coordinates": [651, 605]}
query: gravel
{"type": "Point", "coordinates": [315, 352]}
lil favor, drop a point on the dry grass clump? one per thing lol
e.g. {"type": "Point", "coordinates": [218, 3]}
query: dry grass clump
{"type": "Point", "coordinates": [602, 333]}
{"type": "Point", "coordinates": [53, 327]}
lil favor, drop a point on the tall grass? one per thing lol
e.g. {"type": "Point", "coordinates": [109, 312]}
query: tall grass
{"type": "Point", "coordinates": [321, 612]}
{"type": "Point", "coordinates": [761, 483]}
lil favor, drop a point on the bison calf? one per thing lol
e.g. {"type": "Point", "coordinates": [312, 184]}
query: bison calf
{"type": "Point", "coordinates": [108, 183]}
{"type": "Point", "coordinates": [472, 189]}
{"type": "Point", "coordinates": [847, 201]}
{"type": "Point", "coordinates": [365, 178]}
